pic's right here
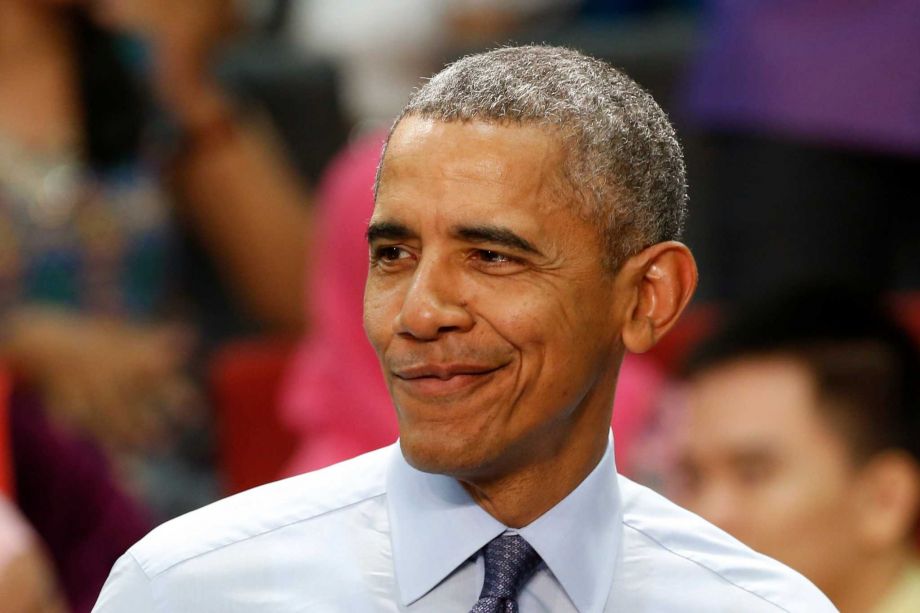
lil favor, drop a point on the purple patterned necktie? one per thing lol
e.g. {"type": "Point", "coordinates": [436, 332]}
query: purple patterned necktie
{"type": "Point", "coordinates": [510, 562]}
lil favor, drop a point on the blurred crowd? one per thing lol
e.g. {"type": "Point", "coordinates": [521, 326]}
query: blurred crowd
{"type": "Point", "coordinates": [184, 191]}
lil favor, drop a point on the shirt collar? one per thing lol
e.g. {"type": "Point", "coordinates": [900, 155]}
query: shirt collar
{"type": "Point", "coordinates": [436, 526]}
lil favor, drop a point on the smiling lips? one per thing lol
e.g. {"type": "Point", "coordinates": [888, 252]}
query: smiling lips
{"type": "Point", "coordinates": [442, 379]}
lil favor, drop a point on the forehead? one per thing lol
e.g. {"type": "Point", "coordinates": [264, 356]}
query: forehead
{"type": "Point", "coordinates": [756, 402]}
{"type": "Point", "coordinates": [474, 164]}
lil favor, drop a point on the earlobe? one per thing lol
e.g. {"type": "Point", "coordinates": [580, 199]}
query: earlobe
{"type": "Point", "coordinates": [663, 278]}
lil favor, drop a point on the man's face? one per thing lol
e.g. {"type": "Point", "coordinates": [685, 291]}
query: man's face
{"type": "Point", "coordinates": [487, 300]}
{"type": "Point", "coordinates": [761, 461]}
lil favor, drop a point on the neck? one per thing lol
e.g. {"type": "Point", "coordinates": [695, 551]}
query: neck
{"type": "Point", "coordinates": [874, 578]}
{"type": "Point", "coordinates": [547, 473]}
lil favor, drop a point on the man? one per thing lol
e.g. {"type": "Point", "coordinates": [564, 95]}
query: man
{"type": "Point", "coordinates": [803, 440]}
{"type": "Point", "coordinates": [521, 241]}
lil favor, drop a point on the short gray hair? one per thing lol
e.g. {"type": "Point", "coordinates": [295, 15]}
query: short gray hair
{"type": "Point", "coordinates": [624, 160]}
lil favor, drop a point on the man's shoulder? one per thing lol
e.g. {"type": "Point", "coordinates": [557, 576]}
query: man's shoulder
{"type": "Point", "coordinates": [263, 511]}
{"type": "Point", "coordinates": [668, 539]}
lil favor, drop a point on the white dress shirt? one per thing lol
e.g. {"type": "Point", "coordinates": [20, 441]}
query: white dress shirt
{"type": "Point", "coordinates": [374, 534]}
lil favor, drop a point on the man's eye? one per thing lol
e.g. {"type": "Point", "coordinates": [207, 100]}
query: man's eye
{"type": "Point", "coordinates": [754, 473]}
{"type": "Point", "coordinates": [389, 253]}
{"type": "Point", "coordinates": [492, 257]}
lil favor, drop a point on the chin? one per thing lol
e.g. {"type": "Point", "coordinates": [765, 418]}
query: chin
{"type": "Point", "coordinates": [441, 454]}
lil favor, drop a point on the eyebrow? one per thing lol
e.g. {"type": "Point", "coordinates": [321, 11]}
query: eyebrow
{"type": "Point", "coordinates": [392, 230]}
{"type": "Point", "coordinates": [495, 235]}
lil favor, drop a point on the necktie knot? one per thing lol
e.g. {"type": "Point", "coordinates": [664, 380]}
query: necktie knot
{"type": "Point", "coordinates": [510, 561]}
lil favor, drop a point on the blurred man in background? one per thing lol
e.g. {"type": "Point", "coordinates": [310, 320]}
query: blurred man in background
{"type": "Point", "coordinates": [802, 441]}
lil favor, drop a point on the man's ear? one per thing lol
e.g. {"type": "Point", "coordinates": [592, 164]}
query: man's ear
{"type": "Point", "coordinates": [889, 500]}
{"type": "Point", "coordinates": [662, 279]}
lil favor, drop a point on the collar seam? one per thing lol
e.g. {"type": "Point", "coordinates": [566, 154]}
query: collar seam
{"type": "Point", "coordinates": [155, 574]}
{"type": "Point", "coordinates": [704, 566]}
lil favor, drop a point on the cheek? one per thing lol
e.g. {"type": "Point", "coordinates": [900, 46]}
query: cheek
{"type": "Point", "coordinates": [822, 507]}
{"type": "Point", "coordinates": [538, 313]}
{"type": "Point", "coordinates": [811, 530]}
{"type": "Point", "coordinates": [558, 359]}
{"type": "Point", "coordinates": [795, 514]}
{"type": "Point", "coordinates": [381, 306]}
{"type": "Point", "coordinates": [511, 308]}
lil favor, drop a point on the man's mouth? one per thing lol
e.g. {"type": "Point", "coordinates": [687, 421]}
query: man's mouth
{"type": "Point", "coordinates": [443, 372]}
{"type": "Point", "coordinates": [432, 380]}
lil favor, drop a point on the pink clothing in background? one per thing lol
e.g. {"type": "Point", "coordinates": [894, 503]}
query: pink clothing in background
{"type": "Point", "coordinates": [639, 389]}
{"type": "Point", "coordinates": [334, 396]}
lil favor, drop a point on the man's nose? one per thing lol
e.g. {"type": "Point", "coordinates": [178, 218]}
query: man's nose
{"type": "Point", "coordinates": [433, 305]}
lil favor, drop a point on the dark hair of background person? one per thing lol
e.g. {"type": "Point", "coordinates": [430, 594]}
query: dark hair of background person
{"type": "Point", "coordinates": [113, 103]}
{"type": "Point", "coordinates": [866, 368]}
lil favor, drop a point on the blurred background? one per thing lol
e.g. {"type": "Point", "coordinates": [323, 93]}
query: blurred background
{"type": "Point", "coordinates": [184, 189]}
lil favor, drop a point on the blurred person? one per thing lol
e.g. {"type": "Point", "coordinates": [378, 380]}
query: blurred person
{"type": "Point", "coordinates": [523, 239]}
{"type": "Point", "coordinates": [802, 439]}
{"type": "Point", "coordinates": [27, 582]}
{"type": "Point", "coordinates": [73, 498]}
{"type": "Point", "coordinates": [89, 208]}
{"type": "Point", "coordinates": [811, 145]}
{"type": "Point", "coordinates": [90, 203]}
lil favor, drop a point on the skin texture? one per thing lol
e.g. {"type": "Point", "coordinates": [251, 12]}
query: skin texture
{"type": "Point", "coordinates": [761, 460]}
{"type": "Point", "coordinates": [499, 331]}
